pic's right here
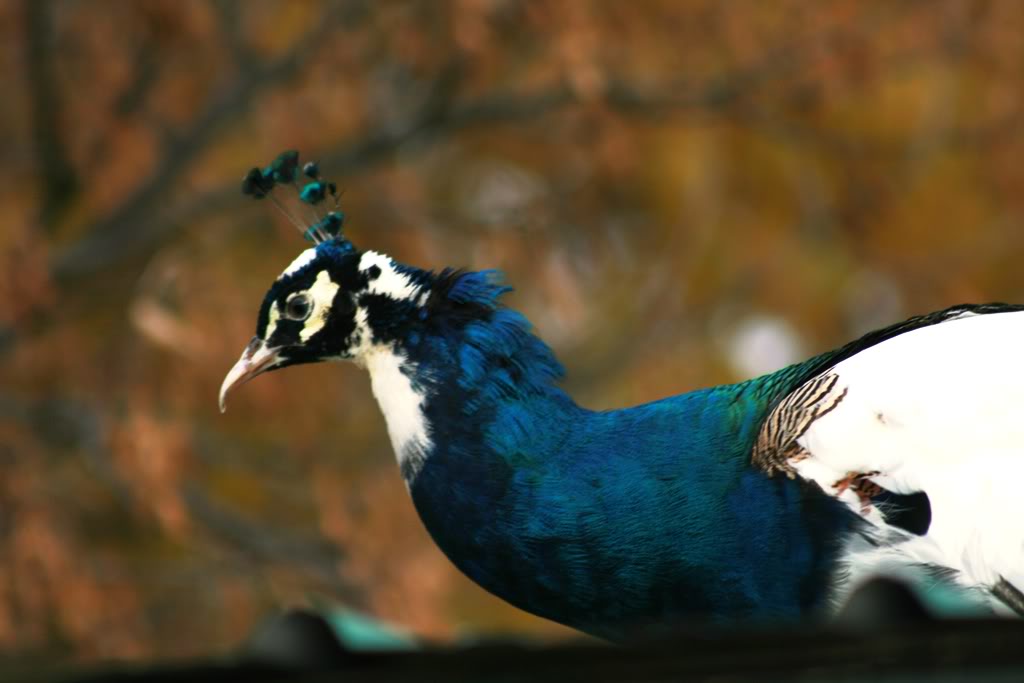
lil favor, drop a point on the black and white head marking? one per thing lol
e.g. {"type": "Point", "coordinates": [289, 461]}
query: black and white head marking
{"type": "Point", "coordinates": [335, 303]}
{"type": "Point", "coordinates": [308, 313]}
{"type": "Point", "coordinates": [388, 304]}
{"type": "Point", "coordinates": [309, 306]}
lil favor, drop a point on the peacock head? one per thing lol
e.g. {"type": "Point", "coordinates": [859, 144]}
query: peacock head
{"type": "Point", "coordinates": [333, 302]}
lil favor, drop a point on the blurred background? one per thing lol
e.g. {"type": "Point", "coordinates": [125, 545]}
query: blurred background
{"type": "Point", "coordinates": [682, 193]}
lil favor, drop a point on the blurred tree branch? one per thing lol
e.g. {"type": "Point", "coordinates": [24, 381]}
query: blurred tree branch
{"type": "Point", "coordinates": [67, 423]}
{"type": "Point", "coordinates": [62, 422]}
{"type": "Point", "coordinates": [147, 73]}
{"type": "Point", "coordinates": [57, 180]}
{"type": "Point", "coordinates": [265, 544]}
{"type": "Point", "coordinates": [125, 230]}
{"type": "Point", "coordinates": [130, 230]}
{"type": "Point", "coordinates": [229, 22]}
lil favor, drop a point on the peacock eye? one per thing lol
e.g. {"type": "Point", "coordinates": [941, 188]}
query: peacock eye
{"type": "Point", "coordinates": [297, 308]}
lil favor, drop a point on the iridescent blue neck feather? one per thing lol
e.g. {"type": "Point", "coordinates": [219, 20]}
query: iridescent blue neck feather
{"type": "Point", "coordinates": [607, 521]}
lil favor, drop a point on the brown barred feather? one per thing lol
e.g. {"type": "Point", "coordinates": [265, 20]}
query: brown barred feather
{"type": "Point", "coordinates": [776, 447]}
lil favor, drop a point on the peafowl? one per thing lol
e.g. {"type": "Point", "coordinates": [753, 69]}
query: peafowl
{"type": "Point", "coordinates": [756, 503]}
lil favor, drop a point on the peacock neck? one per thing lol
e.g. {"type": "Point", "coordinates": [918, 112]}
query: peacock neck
{"type": "Point", "coordinates": [602, 520]}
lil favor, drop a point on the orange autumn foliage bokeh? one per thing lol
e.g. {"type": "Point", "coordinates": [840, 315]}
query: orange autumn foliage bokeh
{"type": "Point", "coordinates": [682, 194]}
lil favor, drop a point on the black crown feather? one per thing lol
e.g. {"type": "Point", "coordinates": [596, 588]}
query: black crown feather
{"type": "Point", "coordinates": [284, 170]}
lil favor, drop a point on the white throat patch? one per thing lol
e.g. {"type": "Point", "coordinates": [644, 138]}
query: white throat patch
{"type": "Point", "coordinates": [402, 406]}
{"type": "Point", "coordinates": [400, 402]}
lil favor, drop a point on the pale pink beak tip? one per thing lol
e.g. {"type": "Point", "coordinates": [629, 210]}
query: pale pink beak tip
{"type": "Point", "coordinates": [256, 358]}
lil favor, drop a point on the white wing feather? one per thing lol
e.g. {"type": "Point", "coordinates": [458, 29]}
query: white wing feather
{"type": "Point", "coordinates": [939, 409]}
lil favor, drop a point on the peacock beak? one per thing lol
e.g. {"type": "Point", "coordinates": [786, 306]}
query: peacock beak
{"type": "Point", "coordinates": [257, 358]}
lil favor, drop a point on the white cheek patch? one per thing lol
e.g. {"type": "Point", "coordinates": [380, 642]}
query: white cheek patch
{"type": "Point", "coordinates": [272, 319]}
{"type": "Point", "coordinates": [300, 261]}
{"type": "Point", "coordinates": [390, 282]}
{"type": "Point", "coordinates": [322, 295]}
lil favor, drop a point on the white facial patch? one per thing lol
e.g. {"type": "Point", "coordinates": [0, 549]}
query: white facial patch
{"type": "Point", "coordinates": [402, 406]}
{"type": "Point", "coordinates": [272, 319]}
{"type": "Point", "coordinates": [390, 282]}
{"type": "Point", "coordinates": [322, 295]}
{"type": "Point", "coordinates": [300, 261]}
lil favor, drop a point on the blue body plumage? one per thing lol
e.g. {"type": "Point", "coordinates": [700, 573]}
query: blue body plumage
{"type": "Point", "coordinates": [607, 521]}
